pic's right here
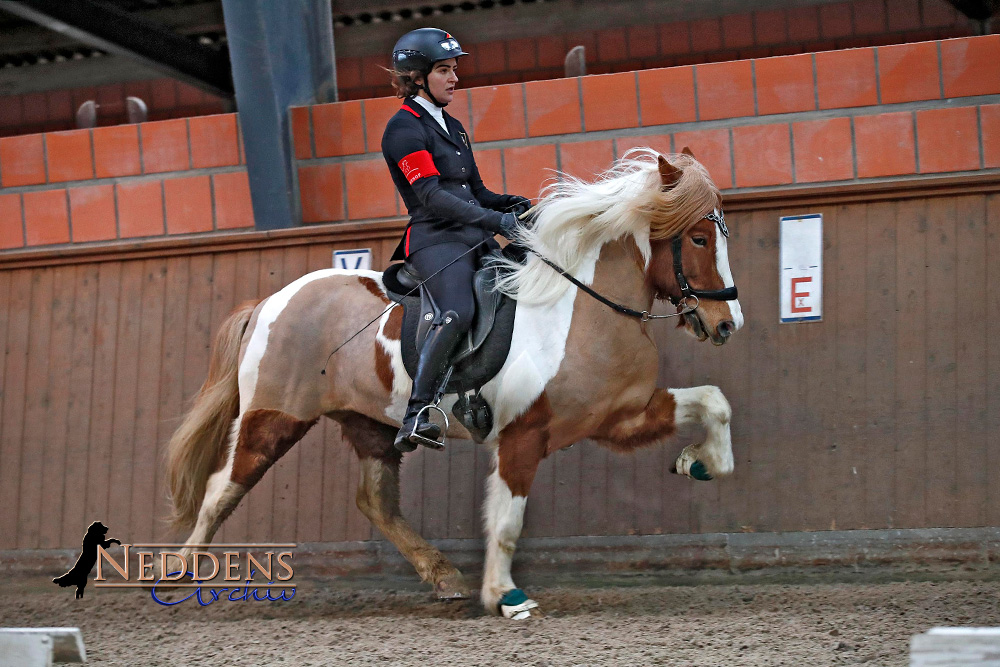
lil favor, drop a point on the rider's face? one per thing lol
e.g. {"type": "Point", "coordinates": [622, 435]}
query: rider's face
{"type": "Point", "coordinates": [442, 80]}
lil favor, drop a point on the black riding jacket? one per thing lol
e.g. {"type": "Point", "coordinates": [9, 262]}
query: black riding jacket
{"type": "Point", "coordinates": [435, 173]}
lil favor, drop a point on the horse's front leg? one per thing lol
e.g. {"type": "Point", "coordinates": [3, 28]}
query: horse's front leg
{"type": "Point", "coordinates": [521, 447]}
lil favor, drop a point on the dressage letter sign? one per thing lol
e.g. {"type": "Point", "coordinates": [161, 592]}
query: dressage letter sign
{"type": "Point", "coordinates": [353, 260]}
{"type": "Point", "coordinates": [801, 263]}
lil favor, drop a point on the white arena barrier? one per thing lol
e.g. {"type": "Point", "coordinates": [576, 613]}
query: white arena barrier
{"type": "Point", "coordinates": [38, 647]}
{"type": "Point", "coordinates": [956, 647]}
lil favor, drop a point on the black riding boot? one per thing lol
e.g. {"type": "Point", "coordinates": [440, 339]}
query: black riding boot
{"type": "Point", "coordinates": [433, 363]}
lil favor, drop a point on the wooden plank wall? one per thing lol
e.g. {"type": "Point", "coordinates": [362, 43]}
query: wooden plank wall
{"type": "Point", "coordinates": [885, 414]}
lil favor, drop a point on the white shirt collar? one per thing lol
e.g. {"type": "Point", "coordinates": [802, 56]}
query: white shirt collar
{"type": "Point", "coordinates": [436, 112]}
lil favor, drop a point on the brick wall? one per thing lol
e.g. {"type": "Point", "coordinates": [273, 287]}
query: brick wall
{"type": "Point", "coordinates": [154, 179]}
{"type": "Point", "coordinates": [841, 117]}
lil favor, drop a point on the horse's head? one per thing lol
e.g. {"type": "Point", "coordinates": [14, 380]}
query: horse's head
{"type": "Point", "coordinates": [689, 262]}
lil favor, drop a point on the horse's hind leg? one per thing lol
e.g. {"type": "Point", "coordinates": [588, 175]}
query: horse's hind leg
{"type": "Point", "coordinates": [707, 406]}
{"type": "Point", "coordinates": [378, 499]}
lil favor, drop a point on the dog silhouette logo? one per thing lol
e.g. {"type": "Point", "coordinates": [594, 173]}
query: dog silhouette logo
{"type": "Point", "coordinates": [80, 572]}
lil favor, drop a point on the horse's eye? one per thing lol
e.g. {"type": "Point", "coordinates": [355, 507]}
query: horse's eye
{"type": "Point", "coordinates": [699, 241]}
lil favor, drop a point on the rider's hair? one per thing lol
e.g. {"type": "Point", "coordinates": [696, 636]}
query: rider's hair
{"type": "Point", "coordinates": [404, 84]}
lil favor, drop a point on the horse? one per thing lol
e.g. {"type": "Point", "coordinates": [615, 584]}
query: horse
{"type": "Point", "coordinates": [650, 228]}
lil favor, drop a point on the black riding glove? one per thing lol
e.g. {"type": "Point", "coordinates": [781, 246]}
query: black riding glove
{"type": "Point", "coordinates": [518, 205]}
{"type": "Point", "coordinates": [508, 226]}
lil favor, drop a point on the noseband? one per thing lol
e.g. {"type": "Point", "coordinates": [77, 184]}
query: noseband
{"type": "Point", "coordinates": [726, 294]}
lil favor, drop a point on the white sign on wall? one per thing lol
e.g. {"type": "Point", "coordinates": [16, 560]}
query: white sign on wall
{"type": "Point", "coordinates": [801, 265]}
{"type": "Point", "coordinates": [353, 259]}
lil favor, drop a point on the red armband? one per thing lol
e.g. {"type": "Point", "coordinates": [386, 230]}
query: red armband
{"type": "Point", "coordinates": [418, 165]}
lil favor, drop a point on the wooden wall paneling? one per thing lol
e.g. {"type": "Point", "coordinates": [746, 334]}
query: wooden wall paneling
{"type": "Point", "coordinates": [15, 377]}
{"type": "Point", "coordinates": [358, 525]}
{"type": "Point", "coordinates": [437, 469]}
{"type": "Point", "coordinates": [594, 497]}
{"type": "Point", "coordinates": [147, 409]}
{"type": "Point", "coordinates": [260, 499]}
{"type": "Point", "coordinates": [848, 314]}
{"type": "Point", "coordinates": [6, 464]}
{"type": "Point", "coordinates": [81, 373]}
{"type": "Point", "coordinates": [992, 361]}
{"type": "Point", "coordinates": [286, 471]}
{"type": "Point", "coordinates": [411, 492]}
{"type": "Point", "coordinates": [484, 456]}
{"type": "Point", "coordinates": [461, 493]}
{"type": "Point", "coordinates": [57, 398]}
{"type": "Point", "coordinates": [223, 300]}
{"type": "Point", "coordinates": [33, 442]}
{"type": "Point", "coordinates": [566, 502]}
{"type": "Point", "coordinates": [971, 344]}
{"type": "Point", "coordinates": [103, 394]}
{"type": "Point", "coordinates": [675, 370]}
{"type": "Point", "coordinates": [880, 363]}
{"type": "Point", "coordinates": [912, 319]}
{"type": "Point", "coordinates": [792, 441]}
{"type": "Point", "coordinates": [941, 329]}
{"type": "Point", "coordinates": [126, 383]}
{"type": "Point", "coordinates": [538, 518]}
{"type": "Point", "coordinates": [335, 492]}
{"type": "Point", "coordinates": [171, 400]}
{"type": "Point", "coordinates": [622, 498]}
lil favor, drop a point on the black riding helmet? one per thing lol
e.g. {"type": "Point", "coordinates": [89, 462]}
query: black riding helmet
{"type": "Point", "coordinates": [419, 49]}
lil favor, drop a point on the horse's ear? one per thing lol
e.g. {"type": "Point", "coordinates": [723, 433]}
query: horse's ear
{"type": "Point", "coordinates": [669, 174]}
{"type": "Point", "coordinates": [687, 151]}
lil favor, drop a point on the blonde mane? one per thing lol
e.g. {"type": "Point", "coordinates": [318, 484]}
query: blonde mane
{"type": "Point", "coordinates": [575, 219]}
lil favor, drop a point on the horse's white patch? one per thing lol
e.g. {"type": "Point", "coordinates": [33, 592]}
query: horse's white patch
{"type": "Point", "coordinates": [272, 308]}
{"type": "Point", "coordinates": [401, 382]}
{"type": "Point", "coordinates": [722, 266]}
{"type": "Point", "coordinates": [708, 406]}
{"type": "Point", "coordinates": [504, 518]}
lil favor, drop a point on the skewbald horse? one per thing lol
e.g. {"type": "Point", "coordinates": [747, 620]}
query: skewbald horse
{"type": "Point", "coordinates": [576, 368]}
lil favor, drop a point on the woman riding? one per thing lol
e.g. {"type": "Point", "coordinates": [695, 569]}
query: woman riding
{"type": "Point", "coordinates": [453, 216]}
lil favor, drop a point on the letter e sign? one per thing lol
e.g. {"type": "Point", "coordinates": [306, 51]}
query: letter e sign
{"type": "Point", "coordinates": [801, 267]}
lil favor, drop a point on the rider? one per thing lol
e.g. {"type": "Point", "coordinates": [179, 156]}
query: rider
{"type": "Point", "coordinates": [453, 217]}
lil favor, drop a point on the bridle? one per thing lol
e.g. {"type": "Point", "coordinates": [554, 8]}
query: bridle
{"type": "Point", "coordinates": [687, 292]}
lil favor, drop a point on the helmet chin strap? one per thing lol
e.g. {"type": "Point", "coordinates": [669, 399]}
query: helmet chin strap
{"type": "Point", "coordinates": [430, 95]}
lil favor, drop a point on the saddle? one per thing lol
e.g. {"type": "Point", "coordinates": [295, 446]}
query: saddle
{"type": "Point", "coordinates": [478, 358]}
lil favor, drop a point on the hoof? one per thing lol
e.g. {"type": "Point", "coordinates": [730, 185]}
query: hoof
{"type": "Point", "coordinates": [517, 606]}
{"type": "Point", "coordinates": [452, 587]}
{"type": "Point", "coordinates": [699, 472]}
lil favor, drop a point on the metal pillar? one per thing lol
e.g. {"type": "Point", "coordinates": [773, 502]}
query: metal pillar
{"type": "Point", "coordinates": [282, 56]}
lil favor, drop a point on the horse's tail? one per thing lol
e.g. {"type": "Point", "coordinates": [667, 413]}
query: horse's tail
{"type": "Point", "coordinates": [197, 448]}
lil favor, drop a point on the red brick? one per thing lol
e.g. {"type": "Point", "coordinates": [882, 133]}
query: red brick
{"type": "Point", "coordinates": [233, 207]}
{"type": "Point", "coordinates": [903, 15]}
{"type": "Point", "coordinates": [675, 38]}
{"type": "Point", "coordinates": [522, 54]}
{"type": "Point", "coordinates": [762, 155]}
{"type": "Point", "coordinates": [725, 90]}
{"type": "Point", "coordinates": [164, 146]}
{"type": "Point", "coordinates": [528, 168]}
{"type": "Point", "coordinates": [187, 96]}
{"type": "Point", "coordinates": [823, 150]}
{"type": "Point", "coordinates": [884, 145]}
{"type": "Point", "coordinates": [706, 35]}
{"type": "Point", "coordinates": [586, 159]}
{"type": "Point", "coordinates": [609, 101]}
{"type": "Point", "coordinates": [737, 31]}
{"type": "Point", "coordinates": [69, 156]}
{"type": "Point", "coordinates": [667, 95]}
{"type": "Point", "coordinates": [711, 148]}
{"type": "Point", "coordinates": [643, 41]}
{"type": "Point", "coordinates": [10, 111]}
{"type": "Point", "coordinates": [588, 40]}
{"type": "Point", "coordinates": [869, 17]}
{"type": "Point", "coordinates": [770, 27]}
{"type": "Point", "coordinates": [22, 160]}
{"type": "Point", "coordinates": [11, 229]}
{"type": "Point", "coordinates": [491, 57]}
{"type": "Point", "coordinates": [213, 141]}
{"type": "Point", "coordinates": [553, 107]}
{"type": "Point", "coordinates": [658, 142]}
{"type": "Point", "coordinates": [164, 94]}
{"type": "Point", "coordinates": [348, 72]}
{"type": "Point", "coordinates": [46, 220]}
{"type": "Point", "coordinates": [140, 208]}
{"type": "Point", "coordinates": [803, 24]}
{"type": "Point", "coordinates": [498, 113]}
{"type": "Point", "coordinates": [785, 84]}
{"type": "Point", "coordinates": [60, 105]}
{"type": "Point", "coordinates": [989, 115]}
{"type": "Point", "coordinates": [337, 129]}
{"type": "Point", "coordinates": [835, 20]}
{"type": "Point", "coordinates": [846, 78]}
{"type": "Point", "coordinates": [940, 14]}
{"type": "Point", "coordinates": [36, 108]}
{"type": "Point", "coordinates": [322, 193]}
{"type": "Point", "coordinates": [551, 51]}
{"type": "Point", "coordinates": [92, 213]}
{"type": "Point", "coordinates": [490, 169]}
{"type": "Point", "coordinates": [301, 132]}
{"type": "Point", "coordinates": [909, 72]}
{"type": "Point", "coordinates": [611, 45]}
{"type": "Point", "coordinates": [377, 114]}
{"type": "Point", "coordinates": [969, 66]}
{"type": "Point", "coordinates": [370, 192]}
{"type": "Point", "coordinates": [116, 151]}
{"type": "Point", "coordinates": [947, 140]}
{"type": "Point", "coordinates": [188, 202]}
{"type": "Point", "coordinates": [372, 73]}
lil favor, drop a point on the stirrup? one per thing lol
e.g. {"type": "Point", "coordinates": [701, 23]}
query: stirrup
{"type": "Point", "coordinates": [427, 442]}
